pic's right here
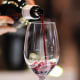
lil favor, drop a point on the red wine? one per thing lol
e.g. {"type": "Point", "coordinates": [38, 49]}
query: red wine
{"type": "Point", "coordinates": [42, 68]}
{"type": "Point", "coordinates": [44, 42]}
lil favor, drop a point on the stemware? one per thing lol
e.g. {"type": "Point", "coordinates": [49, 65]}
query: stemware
{"type": "Point", "coordinates": [39, 62]}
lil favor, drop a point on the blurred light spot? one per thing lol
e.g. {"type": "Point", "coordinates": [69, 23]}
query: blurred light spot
{"type": "Point", "coordinates": [57, 71]}
{"type": "Point", "coordinates": [8, 2]}
{"type": "Point", "coordinates": [21, 7]}
{"type": "Point", "coordinates": [4, 2]}
{"type": "Point", "coordinates": [23, 4]}
{"type": "Point", "coordinates": [19, 0]}
{"type": "Point", "coordinates": [33, 55]}
{"type": "Point", "coordinates": [53, 60]}
{"type": "Point", "coordinates": [16, 5]}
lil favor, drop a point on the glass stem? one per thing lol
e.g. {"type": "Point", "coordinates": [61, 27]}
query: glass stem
{"type": "Point", "coordinates": [42, 78]}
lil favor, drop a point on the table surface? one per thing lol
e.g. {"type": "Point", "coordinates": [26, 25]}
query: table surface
{"type": "Point", "coordinates": [29, 75]}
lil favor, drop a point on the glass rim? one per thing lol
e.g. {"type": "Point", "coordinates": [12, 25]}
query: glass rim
{"type": "Point", "coordinates": [45, 22]}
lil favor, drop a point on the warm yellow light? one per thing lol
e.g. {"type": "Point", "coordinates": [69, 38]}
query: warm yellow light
{"type": "Point", "coordinates": [19, 0]}
{"type": "Point", "coordinates": [57, 71]}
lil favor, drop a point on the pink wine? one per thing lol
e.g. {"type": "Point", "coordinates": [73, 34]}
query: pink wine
{"type": "Point", "coordinates": [44, 42]}
{"type": "Point", "coordinates": [42, 68]}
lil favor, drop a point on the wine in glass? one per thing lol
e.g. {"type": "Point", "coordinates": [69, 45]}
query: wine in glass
{"type": "Point", "coordinates": [41, 48]}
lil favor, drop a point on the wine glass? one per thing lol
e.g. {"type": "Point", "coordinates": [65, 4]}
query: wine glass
{"type": "Point", "coordinates": [41, 48]}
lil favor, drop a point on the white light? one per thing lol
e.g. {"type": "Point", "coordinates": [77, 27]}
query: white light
{"type": "Point", "coordinates": [53, 60]}
{"type": "Point", "coordinates": [21, 7]}
{"type": "Point", "coordinates": [57, 71]}
{"type": "Point", "coordinates": [23, 4]}
{"type": "Point", "coordinates": [16, 5]}
{"type": "Point", "coordinates": [19, 0]}
{"type": "Point", "coordinates": [8, 2]}
{"type": "Point", "coordinates": [4, 2]}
